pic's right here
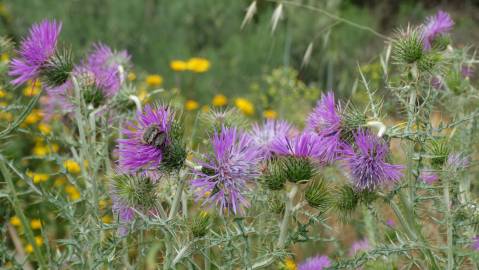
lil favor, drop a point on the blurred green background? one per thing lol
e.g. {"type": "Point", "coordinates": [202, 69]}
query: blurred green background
{"type": "Point", "coordinates": [158, 31]}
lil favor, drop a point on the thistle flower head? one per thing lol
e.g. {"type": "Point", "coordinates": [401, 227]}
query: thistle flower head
{"type": "Point", "coordinates": [358, 246]}
{"type": "Point", "coordinates": [407, 46]}
{"type": "Point", "coordinates": [35, 51]}
{"type": "Point", "coordinates": [475, 243]}
{"type": "Point", "coordinates": [146, 140]}
{"type": "Point", "coordinates": [436, 26]}
{"type": "Point", "coordinates": [428, 176]}
{"type": "Point", "coordinates": [315, 263]}
{"type": "Point", "coordinates": [304, 145]}
{"type": "Point", "coordinates": [367, 162]}
{"type": "Point", "coordinates": [224, 175]}
{"type": "Point", "coordinates": [264, 136]}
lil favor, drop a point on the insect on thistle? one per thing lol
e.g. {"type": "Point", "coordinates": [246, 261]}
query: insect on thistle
{"type": "Point", "coordinates": [154, 136]}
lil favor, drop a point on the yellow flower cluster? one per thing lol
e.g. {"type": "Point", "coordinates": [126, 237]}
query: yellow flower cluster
{"type": "Point", "coordinates": [131, 76]}
{"type": "Point", "coordinates": [290, 264]}
{"type": "Point", "coordinates": [71, 166]}
{"type": "Point", "coordinates": [245, 106]}
{"type": "Point", "coordinates": [38, 177]}
{"type": "Point", "coordinates": [34, 117]}
{"type": "Point", "coordinates": [270, 114]}
{"type": "Point", "coordinates": [154, 80]}
{"type": "Point", "coordinates": [32, 89]}
{"type": "Point", "coordinates": [73, 193]}
{"type": "Point", "coordinates": [195, 64]}
{"type": "Point", "coordinates": [41, 150]}
{"type": "Point", "coordinates": [38, 242]}
{"type": "Point", "coordinates": [36, 224]}
{"type": "Point", "coordinates": [4, 58]}
{"type": "Point", "coordinates": [191, 105]}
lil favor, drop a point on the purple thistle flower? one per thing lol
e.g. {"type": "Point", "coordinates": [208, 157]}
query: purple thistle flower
{"type": "Point", "coordinates": [140, 149]}
{"type": "Point", "coordinates": [325, 120]}
{"type": "Point", "coordinates": [456, 161]}
{"type": "Point", "coordinates": [315, 263]}
{"type": "Point", "coordinates": [467, 71]}
{"type": "Point", "coordinates": [264, 136]}
{"type": "Point", "coordinates": [224, 175]}
{"type": "Point", "coordinates": [35, 50]}
{"type": "Point", "coordinates": [429, 177]}
{"type": "Point", "coordinates": [303, 145]}
{"type": "Point", "coordinates": [367, 162]}
{"type": "Point", "coordinates": [475, 243]}
{"type": "Point", "coordinates": [361, 245]}
{"type": "Point", "coordinates": [437, 83]}
{"type": "Point", "coordinates": [436, 25]}
{"type": "Point", "coordinates": [390, 222]}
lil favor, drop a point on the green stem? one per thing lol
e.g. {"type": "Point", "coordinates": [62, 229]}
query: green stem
{"type": "Point", "coordinates": [450, 248]}
{"type": "Point", "coordinates": [19, 212]}
{"type": "Point", "coordinates": [283, 231]}
{"type": "Point", "coordinates": [176, 200]}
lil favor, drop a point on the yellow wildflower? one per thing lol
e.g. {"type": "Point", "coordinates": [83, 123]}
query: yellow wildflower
{"type": "Point", "coordinates": [205, 108]}
{"type": "Point", "coordinates": [102, 204]}
{"type": "Point", "coordinates": [71, 166]}
{"type": "Point", "coordinates": [106, 219]}
{"type": "Point", "coordinates": [29, 248]}
{"type": "Point", "coordinates": [38, 177]}
{"type": "Point", "coordinates": [191, 105]}
{"type": "Point", "coordinates": [54, 147]}
{"type": "Point", "coordinates": [31, 90]}
{"type": "Point", "coordinates": [73, 193]}
{"type": "Point", "coordinates": [15, 221]}
{"type": "Point", "coordinates": [198, 65]}
{"type": "Point", "coordinates": [219, 100]}
{"type": "Point", "coordinates": [59, 181]}
{"type": "Point", "coordinates": [154, 80]}
{"type": "Point", "coordinates": [245, 106]}
{"type": "Point", "coordinates": [40, 150]}
{"type": "Point", "coordinates": [8, 116]}
{"type": "Point", "coordinates": [36, 224]}
{"type": "Point", "coordinates": [33, 117]}
{"type": "Point", "coordinates": [4, 58]}
{"type": "Point", "coordinates": [38, 240]}
{"type": "Point", "coordinates": [289, 264]}
{"type": "Point", "coordinates": [44, 128]}
{"type": "Point", "coordinates": [178, 65]}
{"type": "Point", "coordinates": [131, 76]}
{"type": "Point", "coordinates": [2, 93]}
{"type": "Point", "coordinates": [270, 114]}
{"type": "Point", "coordinates": [143, 95]}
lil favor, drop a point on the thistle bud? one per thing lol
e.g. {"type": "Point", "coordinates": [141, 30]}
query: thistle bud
{"type": "Point", "coordinates": [317, 194]}
{"type": "Point", "coordinates": [297, 169]}
{"type": "Point", "coordinates": [407, 46]}
{"type": "Point", "coordinates": [136, 191]}
{"type": "Point", "coordinates": [274, 177]}
{"type": "Point", "coordinates": [352, 120]}
{"type": "Point", "coordinates": [441, 42]}
{"type": "Point", "coordinates": [174, 154]}
{"type": "Point", "coordinates": [347, 200]}
{"type": "Point", "coordinates": [200, 223]}
{"type": "Point", "coordinates": [439, 150]}
{"type": "Point", "coordinates": [58, 67]}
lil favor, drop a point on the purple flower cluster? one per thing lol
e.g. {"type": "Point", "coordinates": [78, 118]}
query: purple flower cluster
{"type": "Point", "coordinates": [264, 136]}
{"type": "Point", "coordinates": [35, 51]}
{"type": "Point", "coordinates": [429, 177]}
{"type": "Point", "coordinates": [315, 263]}
{"type": "Point", "coordinates": [436, 25]}
{"type": "Point", "coordinates": [358, 246]}
{"type": "Point", "coordinates": [224, 175]}
{"type": "Point", "coordinates": [140, 149]}
{"type": "Point", "coordinates": [367, 162]}
{"type": "Point", "coordinates": [100, 71]}
{"type": "Point", "coordinates": [304, 145]}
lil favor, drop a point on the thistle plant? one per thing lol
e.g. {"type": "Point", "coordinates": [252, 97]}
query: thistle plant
{"type": "Point", "coordinates": [137, 186]}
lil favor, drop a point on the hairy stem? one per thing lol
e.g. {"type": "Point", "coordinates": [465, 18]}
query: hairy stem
{"type": "Point", "coordinates": [176, 201]}
{"type": "Point", "coordinates": [450, 248]}
{"type": "Point", "coordinates": [283, 231]}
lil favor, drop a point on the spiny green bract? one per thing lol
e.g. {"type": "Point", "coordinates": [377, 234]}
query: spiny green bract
{"type": "Point", "coordinates": [135, 190]}
{"type": "Point", "coordinates": [297, 169]}
{"type": "Point", "coordinates": [199, 224]}
{"type": "Point", "coordinates": [274, 176]}
{"type": "Point", "coordinates": [407, 46]}
{"type": "Point", "coordinates": [317, 194]}
{"type": "Point", "coordinates": [58, 68]}
{"type": "Point", "coordinates": [439, 150]}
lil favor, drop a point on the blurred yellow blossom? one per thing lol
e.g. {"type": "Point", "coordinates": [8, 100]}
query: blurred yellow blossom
{"type": "Point", "coordinates": [29, 248]}
{"type": "Point", "coordinates": [54, 147]}
{"type": "Point", "coordinates": [102, 204]}
{"type": "Point", "coordinates": [31, 90]}
{"type": "Point", "coordinates": [2, 93]}
{"type": "Point", "coordinates": [107, 219]}
{"type": "Point", "coordinates": [245, 106]}
{"type": "Point", "coordinates": [59, 181]}
{"type": "Point", "coordinates": [197, 64]}
{"type": "Point", "coordinates": [15, 221]}
{"type": "Point", "coordinates": [131, 76]}
{"type": "Point", "coordinates": [73, 193]}
{"type": "Point", "coordinates": [154, 80]}
{"type": "Point", "coordinates": [38, 240]}
{"type": "Point", "coordinates": [71, 166]}
{"type": "Point", "coordinates": [289, 264]}
{"type": "Point", "coordinates": [38, 177]}
{"type": "Point", "coordinates": [40, 150]}
{"type": "Point", "coordinates": [178, 65]}
{"type": "Point", "coordinates": [205, 108]}
{"type": "Point", "coordinates": [36, 224]}
{"type": "Point", "coordinates": [191, 105]}
{"type": "Point", "coordinates": [33, 117]}
{"type": "Point", "coordinates": [270, 114]}
{"type": "Point", "coordinates": [4, 58]}
{"type": "Point", "coordinates": [7, 116]}
{"type": "Point", "coordinates": [219, 100]}
{"type": "Point", "coordinates": [44, 128]}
